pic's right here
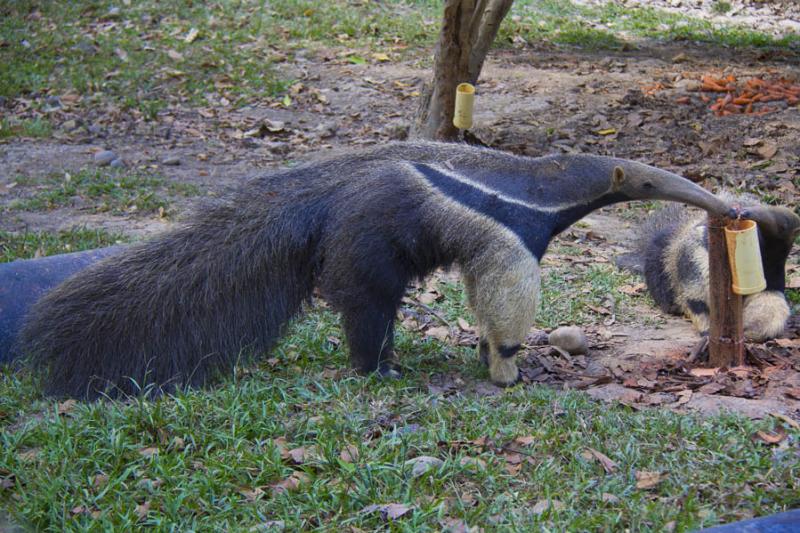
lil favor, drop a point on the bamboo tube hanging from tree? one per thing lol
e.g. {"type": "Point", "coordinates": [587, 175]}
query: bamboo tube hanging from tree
{"type": "Point", "coordinates": [468, 29]}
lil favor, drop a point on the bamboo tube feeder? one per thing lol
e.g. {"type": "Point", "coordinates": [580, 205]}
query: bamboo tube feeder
{"type": "Point", "coordinates": [735, 269]}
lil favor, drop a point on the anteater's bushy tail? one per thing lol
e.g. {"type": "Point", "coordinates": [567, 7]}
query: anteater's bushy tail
{"type": "Point", "coordinates": [180, 308]}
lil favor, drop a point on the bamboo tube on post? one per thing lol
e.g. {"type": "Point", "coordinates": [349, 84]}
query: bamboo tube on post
{"type": "Point", "coordinates": [726, 331]}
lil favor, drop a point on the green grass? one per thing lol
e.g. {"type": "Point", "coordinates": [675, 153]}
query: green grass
{"type": "Point", "coordinates": [147, 55]}
{"type": "Point", "coordinates": [210, 459]}
{"type": "Point", "coordinates": [24, 128]}
{"type": "Point", "coordinates": [37, 244]}
{"type": "Point", "coordinates": [100, 190]}
{"type": "Point", "coordinates": [563, 22]}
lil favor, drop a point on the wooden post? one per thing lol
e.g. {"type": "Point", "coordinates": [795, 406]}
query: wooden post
{"type": "Point", "coordinates": [726, 332]}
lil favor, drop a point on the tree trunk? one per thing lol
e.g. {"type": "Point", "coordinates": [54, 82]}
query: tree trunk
{"type": "Point", "coordinates": [725, 334]}
{"type": "Point", "coordinates": [468, 30]}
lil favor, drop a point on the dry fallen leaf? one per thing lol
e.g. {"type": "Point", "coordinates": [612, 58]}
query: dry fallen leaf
{"type": "Point", "coordinates": [142, 510]}
{"type": "Point", "coordinates": [547, 505]}
{"type": "Point", "coordinates": [473, 462]}
{"type": "Point", "coordinates": [704, 372]}
{"type": "Point", "coordinates": [349, 454]}
{"type": "Point", "coordinates": [609, 498]}
{"type": "Point", "coordinates": [464, 325]}
{"type": "Point", "coordinates": [389, 511]}
{"type": "Point", "coordinates": [768, 437]}
{"type": "Point", "coordinates": [527, 440]}
{"type": "Point", "coordinates": [455, 525]}
{"type": "Point", "coordinates": [427, 298]}
{"type": "Point", "coordinates": [440, 332]}
{"type": "Point", "coordinates": [684, 397]}
{"type": "Point", "coordinates": [29, 455]}
{"type": "Point", "coordinates": [608, 465]}
{"type": "Point", "coordinates": [66, 407]}
{"type": "Point", "coordinates": [648, 480]}
{"type": "Point", "coordinates": [291, 483]}
{"type": "Point", "coordinates": [767, 150]}
{"type": "Point", "coordinates": [191, 36]}
{"type": "Point", "coordinates": [793, 393]}
{"type": "Point", "coordinates": [175, 55]}
{"type": "Point", "coordinates": [99, 480]}
{"type": "Point", "coordinates": [148, 452]}
{"type": "Point", "coordinates": [793, 423]}
{"type": "Point", "coordinates": [301, 454]}
{"type": "Point", "coordinates": [251, 495]}
{"type": "Point", "coordinates": [788, 343]}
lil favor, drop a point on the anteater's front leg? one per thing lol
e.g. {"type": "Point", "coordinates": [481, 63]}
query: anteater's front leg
{"type": "Point", "coordinates": [471, 284]}
{"type": "Point", "coordinates": [369, 329]}
{"type": "Point", "coordinates": [504, 293]}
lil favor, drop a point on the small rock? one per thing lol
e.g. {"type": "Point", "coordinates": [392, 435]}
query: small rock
{"type": "Point", "coordinates": [104, 158]}
{"type": "Point", "coordinates": [571, 339]}
{"type": "Point", "coordinates": [113, 12]}
{"type": "Point", "coordinates": [687, 84]}
{"type": "Point", "coordinates": [680, 58]}
{"type": "Point", "coordinates": [70, 125]}
{"type": "Point", "coordinates": [86, 48]}
{"type": "Point", "coordinates": [52, 103]}
{"type": "Point", "coordinates": [420, 465]}
{"type": "Point", "coordinates": [397, 131]}
{"type": "Point", "coordinates": [94, 129]}
{"type": "Point", "coordinates": [171, 161]}
{"type": "Point", "coordinates": [325, 131]}
{"type": "Point", "coordinates": [117, 163]}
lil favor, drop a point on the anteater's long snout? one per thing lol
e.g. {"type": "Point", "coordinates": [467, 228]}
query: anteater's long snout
{"type": "Point", "coordinates": [649, 183]}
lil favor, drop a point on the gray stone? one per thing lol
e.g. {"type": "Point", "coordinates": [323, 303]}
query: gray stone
{"type": "Point", "coordinates": [171, 161]}
{"type": "Point", "coordinates": [570, 339]}
{"type": "Point", "coordinates": [104, 158]}
{"type": "Point", "coordinates": [117, 163]}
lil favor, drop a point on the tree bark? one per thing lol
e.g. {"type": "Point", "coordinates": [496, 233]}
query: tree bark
{"type": "Point", "coordinates": [468, 30]}
{"type": "Point", "coordinates": [726, 331]}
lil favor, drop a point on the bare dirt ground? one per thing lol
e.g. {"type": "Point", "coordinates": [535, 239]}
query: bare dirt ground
{"type": "Point", "coordinates": [641, 104]}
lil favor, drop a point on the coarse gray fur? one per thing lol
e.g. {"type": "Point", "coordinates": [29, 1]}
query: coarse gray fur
{"type": "Point", "coordinates": [188, 304]}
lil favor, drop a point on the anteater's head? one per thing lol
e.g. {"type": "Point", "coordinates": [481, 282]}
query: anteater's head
{"type": "Point", "coordinates": [636, 181]}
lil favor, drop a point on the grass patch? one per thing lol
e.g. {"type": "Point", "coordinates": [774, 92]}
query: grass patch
{"type": "Point", "coordinates": [24, 128]}
{"type": "Point", "coordinates": [612, 25]}
{"type": "Point", "coordinates": [147, 55]}
{"type": "Point", "coordinates": [100, 190]}
{"type": "Point", "coordinates": [37, 244]}
{"type": "Point", "coordinates": [212, 459]}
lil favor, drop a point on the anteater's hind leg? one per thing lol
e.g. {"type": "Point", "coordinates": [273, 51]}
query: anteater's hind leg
{"type": "Point", "coordinates": [365, 283]}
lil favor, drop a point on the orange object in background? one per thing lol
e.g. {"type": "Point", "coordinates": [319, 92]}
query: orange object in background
{"type": "Point", "coordinates": [746, 99]}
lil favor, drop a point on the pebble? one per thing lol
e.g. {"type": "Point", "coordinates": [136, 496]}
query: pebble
{"type": "Point", "coordinates": [117, 163]}
{"type": "Point", "coordinates": [687, 84]}
{"type": "Point", "coordinates": [570, 339]}
{"type": "Point", "coordinates": [52, 103]}
{"type": "Point", "coordinates": [171, 161]}
{"type": "Point", "coordinates": [104, 158]}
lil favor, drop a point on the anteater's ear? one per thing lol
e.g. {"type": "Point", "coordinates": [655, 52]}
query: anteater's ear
{"type": "Point", "coordinates": [618, 178]}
